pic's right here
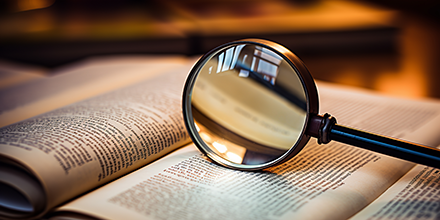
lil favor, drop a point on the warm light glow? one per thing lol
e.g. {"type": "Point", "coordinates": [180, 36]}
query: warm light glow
{"type": "Point", "coordinates": [197, 127]}
{"type": "Point", "coordinates": [234, 157]}
{"type": "Point", "coordinates": [25, 5]}
{"type": "Point", "coordinates": [405, 84]}
{"type": "Point", "coordinates": [205, 137]}
{"type": "Point", "coordinates": [220, 147]}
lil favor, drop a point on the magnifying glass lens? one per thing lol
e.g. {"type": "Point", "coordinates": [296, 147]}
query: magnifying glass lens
{"type": "Point", "coordinates": [252, 104]}
{"type": "Point", "coordinates": [248, 105]}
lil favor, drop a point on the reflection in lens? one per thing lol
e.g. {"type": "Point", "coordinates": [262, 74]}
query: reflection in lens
{"type": "Point", "coordinates": [248, 104]}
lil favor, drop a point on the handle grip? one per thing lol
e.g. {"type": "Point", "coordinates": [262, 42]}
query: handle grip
{"type": "Point", "coordinates": [385, 145]}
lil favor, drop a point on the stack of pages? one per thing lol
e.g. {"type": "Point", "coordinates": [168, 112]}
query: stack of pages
{"type": "Point", "coordinates": [104, 139]}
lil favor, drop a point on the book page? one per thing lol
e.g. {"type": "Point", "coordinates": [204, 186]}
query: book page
{"type": "Point", "coordinates": [13, 74]}
{"type": "Point", "coordinates": [414, 196]}
{"type": "Point", "coordinates": [81, 146]}
{"type": "Point", "coordinates": [411, 120]}
{"type": "Point", "coordinates": [78, 81]}
{"type": "Point", "coordinates": [97, 201]}
{"type": "Point", "coordinates": [332, 181]}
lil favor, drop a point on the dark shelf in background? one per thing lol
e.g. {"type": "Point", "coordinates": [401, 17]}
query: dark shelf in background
{"type": "Point", "coordinates": [52, 54]}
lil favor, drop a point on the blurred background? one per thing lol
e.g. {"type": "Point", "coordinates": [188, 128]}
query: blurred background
{"type": "Point", "coordinates": [389, 46]}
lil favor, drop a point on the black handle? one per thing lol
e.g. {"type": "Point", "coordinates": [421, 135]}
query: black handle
{"type": "Point", "coordinates": [385, 145]}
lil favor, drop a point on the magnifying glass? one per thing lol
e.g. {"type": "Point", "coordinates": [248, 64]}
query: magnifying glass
{"type": "Point", "coordinates": [252, 104]}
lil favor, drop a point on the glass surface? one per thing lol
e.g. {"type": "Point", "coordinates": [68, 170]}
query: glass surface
{"type": "Point", "coordinates": [248, 104]}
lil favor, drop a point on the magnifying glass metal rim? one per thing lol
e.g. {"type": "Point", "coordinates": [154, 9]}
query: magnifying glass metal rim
{"type": "Point", "coordinates": [306, 81]}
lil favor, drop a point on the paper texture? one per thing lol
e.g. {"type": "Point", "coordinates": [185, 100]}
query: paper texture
{"type": "Point", "coordinates": [80, 81]}
{"type": "Point", "coordinates": [333, 181]}
{"type": "Point", "coordinates": [414, 196]}
{"type": "Point", "coordinates": [81, 146]}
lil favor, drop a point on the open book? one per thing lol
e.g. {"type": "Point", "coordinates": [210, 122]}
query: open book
{"type": "Point", "coordinates": [118, 150]}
